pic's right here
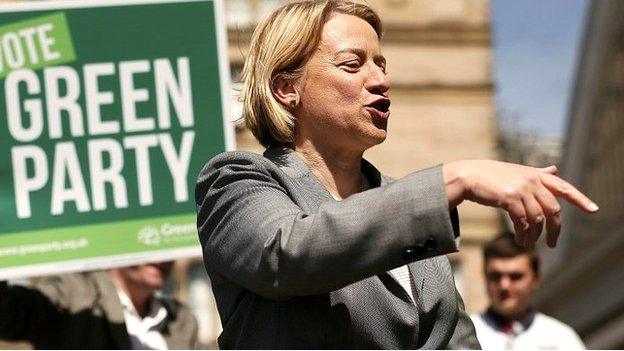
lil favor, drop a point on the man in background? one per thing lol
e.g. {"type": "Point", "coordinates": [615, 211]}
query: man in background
{"type": "Point", "coordinates": [116, 309]}
{"type": "Point", "coordinates": [511, 322]}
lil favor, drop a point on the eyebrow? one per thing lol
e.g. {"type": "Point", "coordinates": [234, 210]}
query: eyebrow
{"type": "Point", "coordinates": [379, 59]}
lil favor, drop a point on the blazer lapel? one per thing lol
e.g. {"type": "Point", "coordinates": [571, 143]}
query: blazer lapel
{"type": "Point", "coordinates": [288, 161]}
{"type": "Point", "coordinates": [417, 270]}
{"type": "Point", "coordinates": [394, 287]}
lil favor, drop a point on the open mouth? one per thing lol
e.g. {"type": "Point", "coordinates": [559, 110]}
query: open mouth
{"type": "Point", "coordinates": [379, 109]}
{"type": "Point", "coordinates": [382, 105]}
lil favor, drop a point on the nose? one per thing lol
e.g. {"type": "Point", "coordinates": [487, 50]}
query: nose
{"type": "Point", "coordinates": [378, 82]}
{"type": "Point", "coordinates": [505, 282]}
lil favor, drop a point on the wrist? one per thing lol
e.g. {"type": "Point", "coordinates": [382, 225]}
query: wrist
{"type": "Point", "coordinates": [455, 183]}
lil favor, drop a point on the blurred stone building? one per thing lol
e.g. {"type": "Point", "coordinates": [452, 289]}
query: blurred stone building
{"type": "Point", "coordinates": [585, 276]}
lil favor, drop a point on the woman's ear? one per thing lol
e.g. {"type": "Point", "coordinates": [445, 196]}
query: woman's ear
{"type": "Point", "coordinates": [285, 92]}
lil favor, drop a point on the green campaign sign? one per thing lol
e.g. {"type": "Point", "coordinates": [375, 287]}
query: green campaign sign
{"type": "Point", "coordinates": [108, 111]}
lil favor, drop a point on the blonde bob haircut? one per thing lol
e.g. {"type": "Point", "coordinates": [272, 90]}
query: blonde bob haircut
{"type": "Point", "coordinates": [280, 47]}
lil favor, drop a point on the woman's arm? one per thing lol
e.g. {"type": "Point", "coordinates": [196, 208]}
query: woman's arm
{"type": "Point", "coordinates": [253, 232]}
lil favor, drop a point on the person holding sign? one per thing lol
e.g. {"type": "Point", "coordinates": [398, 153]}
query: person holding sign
{"type": "Point", "coordinates": [114, 309]}
{"type": "Point", "coordinates": [309, 246]}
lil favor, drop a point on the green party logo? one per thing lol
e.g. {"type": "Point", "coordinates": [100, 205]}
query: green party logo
{"type": "Point", "coordinates": [35, 43]}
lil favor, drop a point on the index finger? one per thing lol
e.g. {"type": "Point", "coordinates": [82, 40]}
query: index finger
{"type": "Point", "coordinates": [568, 192]}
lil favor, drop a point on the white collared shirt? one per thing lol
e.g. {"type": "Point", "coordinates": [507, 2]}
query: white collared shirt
{"type": "Point", "coordinates": [145, 333]}
{"type": "Point", "coordinates": [539, 333]}
{"type": "Point", "coordinates": [403, 276]}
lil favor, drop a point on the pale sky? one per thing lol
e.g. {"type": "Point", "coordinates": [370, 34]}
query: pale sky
{"type": "Point", "coordinates": [536, 48]}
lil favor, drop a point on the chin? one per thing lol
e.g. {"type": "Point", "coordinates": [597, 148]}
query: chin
{"type": "Point", "coordinates": [509, 310]}
{"type": "Point", "coordinates": [380, 137]}
{"type": "Point", "coordinates": [156, 285]}
{"type": "Point", "coordinates": [154, 282]}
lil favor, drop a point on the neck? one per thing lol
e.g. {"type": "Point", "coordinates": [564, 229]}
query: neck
{"type": "Point", "coordinates": [338, 170]}
{"type": "Point", "coordinates": [139, 296]}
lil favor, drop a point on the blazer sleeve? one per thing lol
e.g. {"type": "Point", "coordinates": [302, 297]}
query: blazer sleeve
{"type": "Point", "coordinates": [253, 233]}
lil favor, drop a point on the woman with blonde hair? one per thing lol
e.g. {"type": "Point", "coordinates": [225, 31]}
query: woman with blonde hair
{"type": "Point", "coordinates": [308, 245]}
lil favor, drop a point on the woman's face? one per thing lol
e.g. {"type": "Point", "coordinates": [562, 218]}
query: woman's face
{"type": "Point", "coordinates": [344, 88]}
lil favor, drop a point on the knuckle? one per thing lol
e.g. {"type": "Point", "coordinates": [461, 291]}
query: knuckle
{"type": "Point", "coordinates": [511, 194]}
{"type": "Point", "coordinates": [565, 188]}
{"type": "Point", "coordinates": [532, 177]}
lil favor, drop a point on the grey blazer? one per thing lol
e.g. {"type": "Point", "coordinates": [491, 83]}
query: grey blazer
{"type": "Point", "coordinates": [293, 268]}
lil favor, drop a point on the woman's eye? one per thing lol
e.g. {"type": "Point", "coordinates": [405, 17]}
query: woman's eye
{"type": "Point", "coordinates": [352, 65]}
